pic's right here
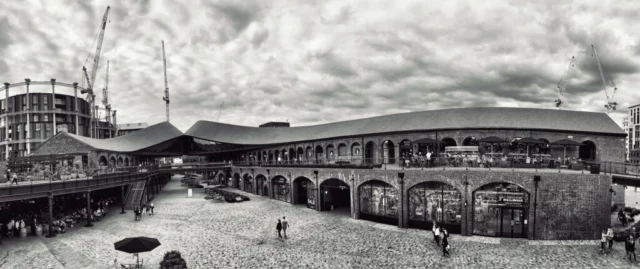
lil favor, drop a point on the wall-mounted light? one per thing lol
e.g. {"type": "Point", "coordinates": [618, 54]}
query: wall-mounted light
{"type": "Point", "coordinates": [465, 203]}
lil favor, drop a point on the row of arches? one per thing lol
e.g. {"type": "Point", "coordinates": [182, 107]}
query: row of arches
{"type": "Point", "coordinates": [386, 152]}
{"type": "Point", "coordinates": [113, 162]}
{"type": "Point", "coordinates": [500, 209]}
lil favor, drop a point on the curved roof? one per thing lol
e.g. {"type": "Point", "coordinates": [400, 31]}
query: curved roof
{"type": "Point", "coordinates": [144, 138]}
{"type": "Point", "coordinates": [445, 119]}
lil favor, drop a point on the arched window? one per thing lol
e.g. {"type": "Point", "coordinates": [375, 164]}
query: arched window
{"type": "Point", "coordinates": [431, 202]}
{"type": "Point", "coordinates": [342, 150]}
{"type": "Point", "coordinates": [499, 205]}
{"type": "Point", "coordinates": [379, 200]}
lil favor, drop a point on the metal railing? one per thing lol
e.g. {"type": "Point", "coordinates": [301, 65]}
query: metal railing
{"type": "Point", "coordinates": [456, 163]}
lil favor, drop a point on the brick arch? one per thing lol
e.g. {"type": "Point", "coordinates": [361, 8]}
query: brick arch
{"type": "Point", "coordinates": [376, 180]}
{"type": "Point", "coordinates": [328, 178]}
{"type": "Point", "coordinates": [475, 188]}
{"type": "Point", "coordinates": [389, 180]}
{"type": "Point", "coordinates": [278, 175]}
{"type": "Point", "coordinates": [454, 184]}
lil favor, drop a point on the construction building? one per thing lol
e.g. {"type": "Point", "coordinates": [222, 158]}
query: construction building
{"type": "Point", "coordinates": [127, 128]}
{"type": "Point", "coordinates": [28, 119]}
{"type": "Point", "coordinates": [625, 126]}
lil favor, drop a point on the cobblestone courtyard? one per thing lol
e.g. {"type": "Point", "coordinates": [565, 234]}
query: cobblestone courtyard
{"type": "Point", "coordinates": [222, 235]}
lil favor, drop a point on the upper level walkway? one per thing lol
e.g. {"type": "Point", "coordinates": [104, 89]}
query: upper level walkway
{"type": "Point", "coordinates": [621, 173]}
{"type": "Point", "coordinates": [75, 183]}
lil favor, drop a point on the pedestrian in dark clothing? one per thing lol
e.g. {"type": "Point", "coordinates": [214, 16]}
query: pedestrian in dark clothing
{"type": "Point", "coordinates": [445, 242]}
{"type": "Point", "coordinates": [630, 246]}
{"type": "Point", "coordinates": [279, 228]}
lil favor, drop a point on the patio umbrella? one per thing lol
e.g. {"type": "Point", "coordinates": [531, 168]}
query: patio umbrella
{"type": "Point", "coordinates": [492, 140]}
{"type": "Point", "coordinates": [136, 245]}
{"type": "Point", "coordinates": [564, 143]}
{"type": "Point", "coordinates": [529, 141]}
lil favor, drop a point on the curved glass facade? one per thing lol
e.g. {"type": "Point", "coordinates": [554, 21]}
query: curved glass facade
{"type": "Point", "coordinates": [500, 210]}
{"type": "Point", "coordinates": [435, 201]}
{"type": "Point", "coordinates": [379, 202]}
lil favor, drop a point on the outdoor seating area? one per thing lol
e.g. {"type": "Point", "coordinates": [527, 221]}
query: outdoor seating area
{"type": "Point", "coordinates": [218, 193]}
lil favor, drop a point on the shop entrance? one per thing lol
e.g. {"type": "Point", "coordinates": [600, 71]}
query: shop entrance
{"type": "Point", "coordinates": [500, 210]}
{"type": "Point", "coordinates": [335, 196]}
{"type": "Point", "coordinates": [304, 192]}
{"type": "Point", "coordinates": [512, 222]}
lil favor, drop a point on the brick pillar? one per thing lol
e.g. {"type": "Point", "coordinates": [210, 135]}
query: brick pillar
{"type": "Point", "coordinates": [270, 186]}
{"type": "Point", "coordinates": [53, 104]}
{"type": "Point", "coordinates": [356, 202]}
{"type": "Point", "coordinates": [28, 128]}
{"type": "Point", "coordinates": [467, 215]}
{"type": "Point", "coordinates": [401, 210]}
{"type": "Point", "coordinates": [318, 204]}
{"type": "Point", "coordinates": [89, 224]}
{"type": "Point", "coordinates": [354, 198]}
{"type": "Point", "coordinates": [291, 188]}
{"type": "Point", "coordinates": [50, 234]}
{"type": "Point", "coordinates": [396, 153]}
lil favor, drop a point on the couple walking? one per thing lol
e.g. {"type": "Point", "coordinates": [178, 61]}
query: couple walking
{"type": "Point", "coordinates": [282, 226]}
{"type": "Point", "coordinates": [441, 234]}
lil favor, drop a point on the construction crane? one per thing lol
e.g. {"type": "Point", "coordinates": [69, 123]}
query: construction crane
{"type": "Point", "coordinates": [562, 84]}
{"type": "Point", "coordinates": [91, 80]}
{"type": "Point", "coordinates": [220, 111]}
{"type": "Point", "coordinates": [611, 101]}
{"type": "Point", "coordinates": [105, 99]}
{"type": "Point", "coordinates": [166, 83]}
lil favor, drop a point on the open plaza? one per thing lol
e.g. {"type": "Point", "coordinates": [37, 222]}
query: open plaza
{"type": "Point", "coordinates": [212, 234]}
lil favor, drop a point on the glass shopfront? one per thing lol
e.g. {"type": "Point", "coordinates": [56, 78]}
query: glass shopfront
{"type": "Point", "coordinates": [379, 202]}
{"type": "Point", "coordinates": [248, 184]}
{"type": "Point", "coordinates": [261, 187]}
{"type": "Point", "coordinates": [500, 210]}
{"type": "Point", "coordinates": [435, 201]}
{"type": "Point", "coordinates": [281, 189]}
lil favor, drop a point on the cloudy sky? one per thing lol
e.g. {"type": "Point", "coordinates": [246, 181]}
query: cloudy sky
{"type": "Point", "coordinates": [313, 62]}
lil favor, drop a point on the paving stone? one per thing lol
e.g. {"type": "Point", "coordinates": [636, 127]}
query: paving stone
{"type": "Point", "coordinates": [242, 235]}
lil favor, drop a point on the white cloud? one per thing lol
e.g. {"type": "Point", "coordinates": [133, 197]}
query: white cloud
{"type": "Point", "coordinates": [314, 62]}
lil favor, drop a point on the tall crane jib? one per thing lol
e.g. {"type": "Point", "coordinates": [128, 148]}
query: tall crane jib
{"type": "Point", "coordinates": [91, 81]}
{"type": "Point", "coordinates": [166, 83]}
{"type": "Point", "coordinates": [562, 84]}
{"type": "Point", "coordinates": [611, 102]}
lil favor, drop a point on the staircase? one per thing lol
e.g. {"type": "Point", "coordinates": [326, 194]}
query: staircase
{"type": "Point", "coordinates": [136, 193]}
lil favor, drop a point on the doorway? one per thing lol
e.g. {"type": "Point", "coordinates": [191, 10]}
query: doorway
{"type": "Point", "coordinates": [512, 223]}
{"type": "Point", "coordinates": [335, 195]}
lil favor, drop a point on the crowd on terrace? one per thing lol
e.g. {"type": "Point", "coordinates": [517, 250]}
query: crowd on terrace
{"type": "Point", "coordinates": [31, 217]}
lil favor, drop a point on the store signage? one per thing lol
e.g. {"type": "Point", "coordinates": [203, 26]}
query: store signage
{"type": "Point", "coordinates": [311, 203]}
{"type": "Point", "coordinates": [279, 180]}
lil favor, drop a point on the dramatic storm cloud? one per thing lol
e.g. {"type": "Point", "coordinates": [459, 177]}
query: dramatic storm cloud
{"type": "Point", "coordinates": [321, 61]}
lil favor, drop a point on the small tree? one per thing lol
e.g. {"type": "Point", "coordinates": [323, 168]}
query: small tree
{"type": "Point", "coordinates": [173, 260]}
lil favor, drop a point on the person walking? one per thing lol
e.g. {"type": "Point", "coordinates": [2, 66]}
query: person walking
{"type": "Point", "coordinates": [151, 206]}
{"type": "Point", "coordinates": [14, 179]}
{"type": "Point", "coordinates": [630, 247]}
{"type": "Point", "coordinates": [436, 234]}
{"type": "Point", "coordinates": [445, 243]}
{"type": "Point", "coordinates": [434, 227]}
{"type": "Point", "coordinates": [610, 238]}
{"type": "Point", "coordinates": [603, 242]}
{"type": "Point", "coordinates": [279, 228]}
{"type": "Point", "coordinates": [285, 225]}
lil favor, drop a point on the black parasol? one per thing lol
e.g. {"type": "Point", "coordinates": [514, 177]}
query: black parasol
{"type": "Point", "coordinates": [137, 244]}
